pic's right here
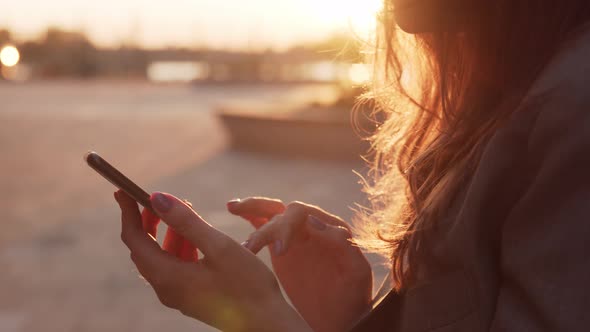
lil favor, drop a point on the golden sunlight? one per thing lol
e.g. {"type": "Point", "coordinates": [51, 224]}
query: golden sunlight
{"type": "Point", "coordinates": [361, 14]}
{"type": "Point", "coordinates": [359, 74]}
{"type": "Point", "coordinates": [9, 56]}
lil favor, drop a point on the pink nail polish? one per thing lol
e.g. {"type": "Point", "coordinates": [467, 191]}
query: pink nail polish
{"type": "Point", "coordinates": [160, 202]}
{"type": "Point", "coordinates": [277, 248]}
{"type": "Point", "coordinates": [316, 223]}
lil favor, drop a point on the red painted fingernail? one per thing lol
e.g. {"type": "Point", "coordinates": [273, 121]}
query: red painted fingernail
{"type": "Point", "coordinates": [316, 223]}
{"type": "Point", "coordinates": [160, 202]}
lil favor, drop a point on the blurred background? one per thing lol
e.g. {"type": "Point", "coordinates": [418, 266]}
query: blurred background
{"type": "Point", "coordinates": [209, 100]}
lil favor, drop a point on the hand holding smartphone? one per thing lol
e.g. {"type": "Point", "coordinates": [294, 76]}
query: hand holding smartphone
{"type": "Point", "coordinates": [117, 178]}
{"type": "Point", "coordinates": [173, 242]}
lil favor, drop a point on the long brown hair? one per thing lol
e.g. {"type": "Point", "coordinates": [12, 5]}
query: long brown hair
{"type": "Point", "coordinates": [443, 94]}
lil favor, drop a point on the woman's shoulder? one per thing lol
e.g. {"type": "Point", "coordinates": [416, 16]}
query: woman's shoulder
{"type": "Point", "coordinates": [569, 67]}
{"type": "Point", "coordinates": [560, 98]}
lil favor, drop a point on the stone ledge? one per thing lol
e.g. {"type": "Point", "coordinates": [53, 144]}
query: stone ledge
{"type": "Point", "coordinates": [313, 132]}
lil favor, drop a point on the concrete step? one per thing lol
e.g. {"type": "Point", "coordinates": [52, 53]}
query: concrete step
{"type": "Point", "coordinates": [311, 132]}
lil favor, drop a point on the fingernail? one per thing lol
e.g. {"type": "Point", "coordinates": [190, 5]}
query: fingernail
{"type": "Point", "coordinates": [245, 244]}
{"type": "Point", "coordinates": [233, 202]}
{"type": "Point", "coordinates": [160, 202]}
{"type": "Point", "coordinates": [277, 248]}
{"type": "Point", "coordinates": [316, 223]}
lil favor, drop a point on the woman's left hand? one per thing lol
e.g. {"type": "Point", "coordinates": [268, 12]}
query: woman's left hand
{"type": "Point", "coordinates": [326, 276]}
{"type": "Point", "coordinates": [230, 288]}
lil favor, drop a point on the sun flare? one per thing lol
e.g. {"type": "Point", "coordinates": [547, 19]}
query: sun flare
{"type": "Point", "coordinates": [361, 15]}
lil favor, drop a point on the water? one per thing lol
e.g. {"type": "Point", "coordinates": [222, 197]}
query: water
{"type": "Point", "coordinates": [115, 97]}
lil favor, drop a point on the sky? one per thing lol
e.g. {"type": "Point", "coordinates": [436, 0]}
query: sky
{"type": "Point", "coordinates": [228, 24]}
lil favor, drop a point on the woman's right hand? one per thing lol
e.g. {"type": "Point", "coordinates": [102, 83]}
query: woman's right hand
{"type": "Point", "coordinates": [327, 278]}
{"type": "Point", "coordinates": [229, 288]}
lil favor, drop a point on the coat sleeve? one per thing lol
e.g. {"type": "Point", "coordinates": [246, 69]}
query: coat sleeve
{"type": "Point", "coordinates": [545, 246]}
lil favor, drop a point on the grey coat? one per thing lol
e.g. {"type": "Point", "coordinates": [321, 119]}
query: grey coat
{"type": "Point", "coordinates": [514, 254]}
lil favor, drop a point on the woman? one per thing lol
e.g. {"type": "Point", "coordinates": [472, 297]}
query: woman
{"type": "Point", "coordinates": [487, 129]}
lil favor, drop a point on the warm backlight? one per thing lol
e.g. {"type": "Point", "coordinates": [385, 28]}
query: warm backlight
{"type": "Point", "coordinates": [9, 56]}
{"type": "Point", "coordinates": [360, 14]}
{"type": "Point", "coordinates": [359, 74]}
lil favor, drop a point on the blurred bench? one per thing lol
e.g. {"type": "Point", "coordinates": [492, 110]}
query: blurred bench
{"type": "Point", "coordinates": [313, 132]}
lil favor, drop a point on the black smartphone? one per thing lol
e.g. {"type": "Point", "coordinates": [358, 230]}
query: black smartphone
{"type": "Point", "coordinates": [117, 178]}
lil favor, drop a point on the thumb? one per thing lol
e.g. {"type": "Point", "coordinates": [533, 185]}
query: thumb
{"type": "Point", "coordinates": [187, 223]}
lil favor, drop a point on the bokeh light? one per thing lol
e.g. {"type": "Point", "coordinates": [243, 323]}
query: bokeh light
{"type": "Point", "coordinates": [9, 56]}
{"type": "Point", "coordinates": [359, 74]}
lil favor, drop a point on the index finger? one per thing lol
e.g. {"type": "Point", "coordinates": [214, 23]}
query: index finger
{"type": "Point", "coordinates": [259, 207]}
{"type": "Point", "coordinates": [186, 222]}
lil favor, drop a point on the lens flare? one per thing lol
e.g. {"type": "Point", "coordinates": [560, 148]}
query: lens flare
{"type": "Point", "coordinates": [9, 56]}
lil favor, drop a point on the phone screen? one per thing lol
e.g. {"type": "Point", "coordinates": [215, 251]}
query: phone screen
{"type": "Point", "coordinates": [117, 178]}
